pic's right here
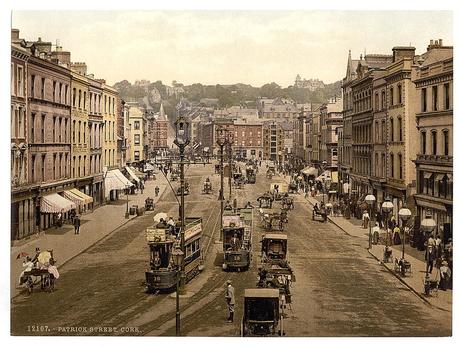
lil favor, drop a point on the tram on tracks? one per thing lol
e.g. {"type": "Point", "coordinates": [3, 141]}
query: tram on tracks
{"type": "Point", "coordinates": [162, 274]}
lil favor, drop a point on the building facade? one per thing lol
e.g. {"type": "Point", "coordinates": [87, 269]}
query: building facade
{"type": "Point", "coordinates": [273, 142]}
{"type": "Point", "coordinates": [109, 116]}
{"type": "Point", "coordinates": [138, 126]}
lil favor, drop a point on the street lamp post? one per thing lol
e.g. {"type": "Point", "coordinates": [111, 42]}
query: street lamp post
{"type": "Point", "coordinates": [126, 215]}
{"type": "Point", "coordinates": [428, 225]}
{"type": "Point", "coordinates": [177, 257]}
{"type": "Point", "coordinates": [221, 141]}
{"type": "Point", "coordinates": [370, 200]}
{"type": "Point", "coordinates": [405, 215]}
{"type": "Point", "coordinates": [181, 141]}
{"type": "Point", "coordinates": [387, 208]}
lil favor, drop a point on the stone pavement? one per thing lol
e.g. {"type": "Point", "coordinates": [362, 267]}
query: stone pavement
{"type": "Point", "coordinates": [414, 281]}
{"type": "Point", "coordinates": [95, 226]}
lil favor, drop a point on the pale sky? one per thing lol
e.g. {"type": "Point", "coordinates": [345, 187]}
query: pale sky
{"type": "Point", "coordinates": [253, 47]}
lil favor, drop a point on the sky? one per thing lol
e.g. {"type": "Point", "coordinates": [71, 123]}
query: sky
{"type": "Point", "coordinates": [209, 47]}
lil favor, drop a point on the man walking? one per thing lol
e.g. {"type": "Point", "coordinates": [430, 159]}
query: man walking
{"type": "Point", "coordinates": [76, 224]}
{"type": "Point", "coordinates": [230, 301]}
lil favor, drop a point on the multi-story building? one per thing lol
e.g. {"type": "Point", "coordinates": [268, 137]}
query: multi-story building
{"type": "Point", "coordinates": [138, 125]}
{"type": "Point", "coordinates": [378, 175]}
{"type": "Point", "coordinates": [401, 125]}
{"type": "Point", "coordinates": [330, 118]}
{"type": "Point", "coordinates": [315, 137]}
{"type": "Point", "coordinates": [277, 109]}
{"type": "Point", "coordinates": [362, 121]}
{"type": "Point", "coordinates": [248, 139]}
{"type": "Point", "coordinates": [95, 124]}
{"type": "Point", "coordinates": [287, 128]}
{"type": "Point", "coordinates": [434, 119]}
{"type": "Point", "coordinates": [273, 142]}
{"type": "Point", "coordinates": [49, 131]}
{"type": "Point", "coordinates": [80, 127]}
{"type": "Point", "coordinates": [348, 104]}
{"type": "Point", "coordinates": [159, 131]}
{"type": "Point", "coordinates": [109, 111]}
{"type": "Point", "coordinates": [124, 133]}
{"type": "Point", "coordinates": [22, 203]}
{"type": "Point", "coordinates": [311, 84]}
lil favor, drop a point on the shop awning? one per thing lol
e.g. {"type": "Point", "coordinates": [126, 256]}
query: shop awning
{"type": "Point", "coordinates": [149, 167]}
{"type": "Point", "coordinates": [115, 181]}
{"type": "Point", "coordinates": [77, 200]}
{"type": "Point", "coordinates": [87, 199]}
{"type": "Point", "coordinates": [132, 174]}
{"type": "Point", "coordinates": [138, 173]}
{"type": "Point", "coordinates": [310, 171]}
{"type": "Point", "coordinates": [54, 203]}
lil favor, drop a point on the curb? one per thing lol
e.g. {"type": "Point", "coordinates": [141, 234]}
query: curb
{"type": "Point", "coordinates": [403, 281]}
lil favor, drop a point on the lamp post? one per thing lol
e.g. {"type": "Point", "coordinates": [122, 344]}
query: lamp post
{"type": "Point", "coordinates": [177, 257]}
{"type": "Point", "coordinates": [428, 225]}
{"type": "Point", "coordinates": [405, 215]}
{"type": "Point", "coordinates": [181, 141]}
{"type": "Point", "coordinates": [387, 208]}
{"type": "Point", "coordinates": [221, 141]}
{"type": "Point", "coordinates": [370, 200]}
{"type": "Point", "coordinates": [126, 215]}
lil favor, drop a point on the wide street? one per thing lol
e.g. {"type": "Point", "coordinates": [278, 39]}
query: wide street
{"type": "Point", "coordinates": [340, 290]}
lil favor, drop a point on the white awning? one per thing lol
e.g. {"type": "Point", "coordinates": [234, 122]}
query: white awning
{"type": "Point", "coordinates": [54, 203]}
{"type": "Point", "coordinates": [115, 180]}
{"type": "Point", "coordinates": [77, 200]}
{"type": "Point", "coordinates": [132, 174]}
{"type": "Point", "coordinates": [310, 171]}
{"type": "Point", "coordinates": [149, 167]}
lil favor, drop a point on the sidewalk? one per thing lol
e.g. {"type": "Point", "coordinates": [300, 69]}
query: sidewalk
{"type": "Point", "coordinates": [94, 226]}
{"type": "Point", "coordinates": [414, 281]}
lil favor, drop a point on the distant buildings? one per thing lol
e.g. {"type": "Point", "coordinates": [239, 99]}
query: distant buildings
{"type": "Point", "coordinates": [311, 84]}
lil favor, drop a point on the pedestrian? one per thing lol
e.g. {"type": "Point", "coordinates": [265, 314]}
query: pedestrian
{"type": "Point", "coordinates": [375, 233]}
{"type": "Point", "coordinates": [445, 275]}
{"type": "Point", "coordinates": [156, 191]}
{"type": "Point", "coordinates": [397, 240]}
{"type": "Point", "coordinates": [230, 300]}
{"type": "Point", "coordinates": [430, 257]}
{"type": "Point", "coordinates": [141, 187]}
{"type": "Point", "coordinates": [365, 219]}
{"type": "Point", "coordinates": [76, 224]}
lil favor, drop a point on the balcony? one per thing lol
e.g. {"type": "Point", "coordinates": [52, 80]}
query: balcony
{"type": "Point", "coordinates": [434, 158]}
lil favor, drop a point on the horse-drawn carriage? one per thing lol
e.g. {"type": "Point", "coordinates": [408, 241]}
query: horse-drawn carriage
{"type": "Point", "coordinates": [239, 180]}
{"type": "Point", "coordinates": [43, 272]}
{"type": "Point", "coordinates": [287, 203]}
{"type": "Point", "coordinates": [265, 200]}
{"type": "Point", "coordinates": [174, 176]}
{"type": "Point", "coordinates": [207, 189]}
{"type": "Point", "coordinates": [262, 315]}
{"type": "Point", "coordinates": [251, 175]}
{"type": "Point", "coordinates": [319, 214]}
{"type": "Point", "coordinates": [292, 188]}
{"type": "Point", "coordinates": [186, 189]}
{"type": "Point", "coordinates": [149, 204]}
{"type": "Point", "coordinates": [274, 220]}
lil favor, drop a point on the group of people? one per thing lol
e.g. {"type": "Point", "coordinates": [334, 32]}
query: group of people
{"type": "Point", "coordinates": [440, 257]}
{"type": "Point", "coordinates": [29, 264]}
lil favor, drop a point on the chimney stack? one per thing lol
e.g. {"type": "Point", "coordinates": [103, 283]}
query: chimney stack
{"type": "Point", "coordinates": [440, 42]}
{"type": "Point", "coordinates": [14, 34]}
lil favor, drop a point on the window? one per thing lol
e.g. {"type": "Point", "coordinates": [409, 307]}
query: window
{"type": "Point", "coordinates": [446, 94]}
{"type": "Point", "coordinates": [137, 139]}
{"type": "Point", "coordinates": [424, 100]}
{"type": "Point", "coordinates": [59, 94]}
{"type": "Point", "coordinates": [136, 125]}
{"type": "Point", "coordinates": [84, 132]}
{"type": "Point", "coordinates": [32, 86]}
{"type": "Point", "coordinates": [54, 165]}
{"type": "Point", "coordinates": [43, 163]}
{"type": "Point", "coordinates": [376, 102]}
{"type": "Point", "coordinates": [392, 129]}
{"type": "Point", "coordinates": [392, 165]}
{"type": "Point", "coordinates": [383, 102]}
{"type": "Point", "coordinates": [32, 128]}
{"type": "Point", "coordinates": [21, 122]}
{"type": "Point", "coordinates": [79, 98]}
{"type": "Point", "coordinates": [54, 129]}
{"type": "Point", "coordinates": [391, 96]}
{"type": "Point", "coordinates": [377, 164]}
{"type": "Point", "coordinates": [383, 126]}
{"type": "Point", "coordinates": [399, 93]}
{"type": "Point", "coordinates": [434, 142]}
{"type": "Point", "coordinates": [43, 118]}
{"type": "Point", "coordinates": [54, 91]}
{"type": "Point", "coordinates": [66, 90]}
{"type": "Point", "coordinates": [435, 98]}
{"type": "Point", "coordinates": [136, 155]}
{"type": "Point", "coordinates": [43, 88]}
{"type": "Point", "coordinates": [400, 166]}
{"type": "Point", "coordinates": [446, 142]}
{"type": "Point", "coordinates": [423, 142]}
{"type": "Point", "coordinates": [74, 97]}
{"type": "Point", "coordinates": [20, 81]}
{"type": "Point", "coordinates": [84, 101]}
{"type": "Point", "coordinates": [32, 168]}
{"type": "Point", "coordinates": [60, 129]}
{"type": "Point", "coordinates": [400, 129]}
{"type": "Point", "coordinates": [79, 131]}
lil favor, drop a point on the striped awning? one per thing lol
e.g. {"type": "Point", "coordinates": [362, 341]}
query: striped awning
{"type": "Point", "coordinates": [54, 203]}
{"type": "Point", "coordinates": [132, 174]}
{"type": "Point", "coordinates": [87, 199]}
{"type": "Point", "coordinates": [68, 194]}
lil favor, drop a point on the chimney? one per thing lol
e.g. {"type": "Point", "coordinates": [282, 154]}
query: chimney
{"type": "Point", "coordinates": [61, 57]}
{"type": "Point", "coordinates": [14, 34]}
{"type": "Point", "coordinates": [431, 42]}
{"type": "Point", "coordinates": [398, 53]}
{"type": "Point", "coordinates": [440, 42]}
{"type": "Point", "coordinates": [79, 68]}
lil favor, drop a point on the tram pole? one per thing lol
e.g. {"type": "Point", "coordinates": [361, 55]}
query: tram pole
{"type": "Point", "coordinates": [182, 215]}
{"type": "Point", "coordinates": [221, 197]}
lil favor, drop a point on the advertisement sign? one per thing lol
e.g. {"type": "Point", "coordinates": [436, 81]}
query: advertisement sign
{"type": "Point", "coordinates": [156, 235]}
